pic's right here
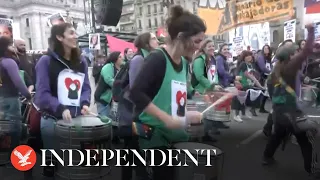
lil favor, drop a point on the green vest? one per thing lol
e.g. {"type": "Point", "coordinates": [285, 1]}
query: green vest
{"type": "Point", "coordinates": [21, 73]}
{"type": "Point", "coordinates": [283, 94]}
{"type": "Point", "coordinates": [166, 98]}
{"type": "Point", "coordinates": [246, 82]}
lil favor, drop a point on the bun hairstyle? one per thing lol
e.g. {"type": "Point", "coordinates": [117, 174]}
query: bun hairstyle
{"type": "Point", "coordinates": [182, 21]}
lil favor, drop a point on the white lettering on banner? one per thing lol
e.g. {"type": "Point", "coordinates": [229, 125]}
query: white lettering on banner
{"type": "Point", "coordinates": [238, 45]}
{"type": "Point", "coordinates": [86, 156]}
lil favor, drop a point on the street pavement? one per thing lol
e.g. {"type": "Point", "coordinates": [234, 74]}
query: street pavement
{"type": "Point", "coordinates": [243, 145]}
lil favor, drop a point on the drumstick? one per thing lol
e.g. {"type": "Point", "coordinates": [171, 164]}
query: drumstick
{"type": "Point", "coordinates": [93, 114]}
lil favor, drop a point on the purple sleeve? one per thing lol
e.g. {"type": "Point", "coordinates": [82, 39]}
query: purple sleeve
{"type": "Point", "coordinates": [220, 68]}
{"type": "Point", "coordinates": [86, 88]}
{"type": "Point", "coordinates": [135, 65]}
{"type": "Point", "coordinates": [262, 65]}
{"type": "Point", "coordinates": [43, 98]}
{"type": "Point", "coordinates": [13, 72]}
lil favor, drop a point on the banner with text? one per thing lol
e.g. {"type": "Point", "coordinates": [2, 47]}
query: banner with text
{"type": "Point", "coordinates": [238, 45]}
{"type": "Point", "coordinates": [230, 14]}
{"type": "Point", "coordinates": [254, 35]}
{"type": "Point", "coordinates": [289, 29]}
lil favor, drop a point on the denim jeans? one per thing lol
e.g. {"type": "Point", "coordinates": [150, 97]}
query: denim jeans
{"type": "Point", "coordinates": [103, 110]}
{"type": "Point", "coordinates": [48, 133]}
{"type": "Point", "coordinates": [10, 110]}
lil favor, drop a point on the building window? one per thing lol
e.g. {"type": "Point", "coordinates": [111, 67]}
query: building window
{"type": "Point", "coordinates": [194, 7]}
{"type": "Point", "coordinates": [30, 43]}
{"type": "Point", "coordinates": [27, 22]}
{"type": "Point", "coordinates": [155, 8]}
{"type": "Point", "coordinates": [149, 9]}
{"type": "Point", "coordinates": [162, 21]}
{"type": "Point", "coordinates": [149, 23]}
{"type": "Point", "coordinates": [155, 22]}
{"type": "Point", "coordinates": [275, 36]}
{"type": "Point", "coordinates": [140, 25]}
{"type": "Point", "coordinates": [140, 11]}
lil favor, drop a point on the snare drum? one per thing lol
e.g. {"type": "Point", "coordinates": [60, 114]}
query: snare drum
{"type": "Point", "coordinates": [201, 171]}
{"type": "Point", "coordinates": [85, 132]}
{"type": "Point", "coordinates": [309, 94]}
{"type": "Point", "coordinates": [222, 111]}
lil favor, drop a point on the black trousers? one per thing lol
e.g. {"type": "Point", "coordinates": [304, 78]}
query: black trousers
{"type": "Point", "coordinates": [268, 126]}
{"type": "Point", "coordinates": [131, 142]}
{"type": "Point", "coordinates": [305, 141]}
{"type": "Point", "coordinates": [164, 171]}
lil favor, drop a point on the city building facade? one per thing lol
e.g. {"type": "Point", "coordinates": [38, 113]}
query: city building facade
{"type": "Point", "coordinates": [30, 18]}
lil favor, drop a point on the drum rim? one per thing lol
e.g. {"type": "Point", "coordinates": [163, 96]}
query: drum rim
{"type": "Point", "coordinates": [219, 151]}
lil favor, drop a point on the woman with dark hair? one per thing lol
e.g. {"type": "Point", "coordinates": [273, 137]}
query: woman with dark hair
{"type": "Point", "coordinates": [159, 92]}
{"type": "Point", "coordinates": [94, 41]}
{"type": "Point", "coordinates": [247, 71]}
{"type": "Point", "coordinates": [128, 54]}
{"type": "Point", "coordinates": [225, 78]}
{"type": "Point", "coordinates": [264, 66]}
{"type": "Point", "coordinates": [103, 93]}
{"type": "Point", "coordinates": [205, 78]}
{"type": "Point", "coordinates": [286, 112]}
{"type": "Point", "coordinates": [145, 43]}
{"type": "Point", "coordinates": [99, 62]}
{"type": "Point", "coordinates": [63, 88]}
{"type": "Point", "coordinates": [11, 84]}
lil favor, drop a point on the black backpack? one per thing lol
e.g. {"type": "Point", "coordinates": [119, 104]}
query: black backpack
{"type": "Point", "coordinates": [121, 83]}
{"type": "Point", "coordinates": [102, 87]}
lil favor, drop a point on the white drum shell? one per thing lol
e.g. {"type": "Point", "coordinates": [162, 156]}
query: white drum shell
{"type": "Point", "coordinates": [69, 136]}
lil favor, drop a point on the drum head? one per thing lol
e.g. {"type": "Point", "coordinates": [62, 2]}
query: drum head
{"type": "Point", "coordinates": [191, 146]}
{"type": "Point", "coordinates": [84, 121]}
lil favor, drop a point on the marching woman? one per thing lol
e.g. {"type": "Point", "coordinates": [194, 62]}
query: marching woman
{"type": "Point", "coordinates": [246, 70]}
{"type": "Point", "coordinates": [103, 93]}
{"type": "Point", "coordinates": [63, 88]}
{"type": "Point", "coordinates": [11, 85]}
{"type": "Point", "coordinates": [145, 43]}
{"type": "Point", "coordinates": [286, 113]}
{"type": "Point", "coordinates": [225, 78]}
{"type": "Point", "coordinates": [205, 78]}
{"type": "Point", "coordinates": [264, 66]}
{"type": "Point", "coordinates": [160, 90]}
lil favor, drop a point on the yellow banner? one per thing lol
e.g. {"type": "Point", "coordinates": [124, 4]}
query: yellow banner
{"type": "Point", "coordinates": [223, 15]}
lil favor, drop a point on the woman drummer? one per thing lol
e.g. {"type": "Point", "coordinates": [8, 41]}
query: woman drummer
{"type": "Point", "coordinates": [205, 78]}
{"type": "Point", "coordinates": [246, 70]}
{"type": "Point", "coordinates": [285, 106]}
{"type": "Point", "coordinates": [63, 88]}
{"type": "Point", "coordinates": [160, 90]}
